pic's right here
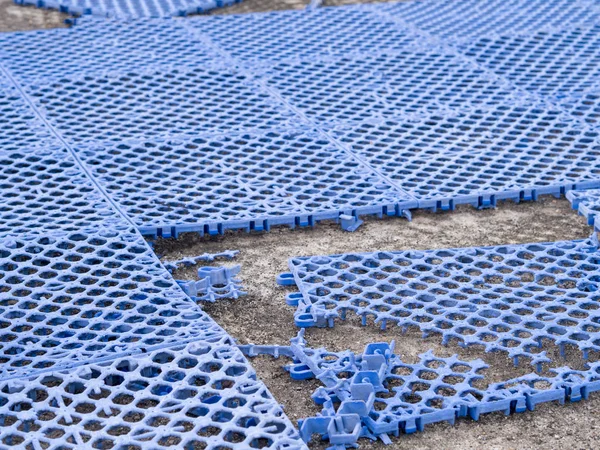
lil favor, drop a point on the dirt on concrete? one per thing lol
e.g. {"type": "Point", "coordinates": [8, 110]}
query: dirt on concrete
{"type": "Point", "coordinates": [262, 317]}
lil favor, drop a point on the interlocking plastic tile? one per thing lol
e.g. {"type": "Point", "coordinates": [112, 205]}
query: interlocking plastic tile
{"type": "Point", "coordinates": [587, 203]}
{"type": "Point", "coordinates": [553, 63]}
{"type": "Point", "coordinates": [193, 260]}
{"type": "Point", "coordinates": [20, 125]}
{"type": "Point", "coordinates": [401, 84]}
{"type": "Point", "coordinates": [450, 21]}
{"type": "Point", "coordinates": [83, 296]}
{"type": "Point", "coordinates": [507, 298]}
{"type": "Point", "coordinates": [124, 9]}
{"type": "Point", "coordinates": [292, 34]}
{"type": "Point", "coordinates": [509, 152]}
{"type": "Point", "coordinates": [45, 191]}
{"type": "Point", "coordinates": [377, 393]}
{"type": "Point", "coordinates": [141, 105]}
{"type": "Point", "coordinates": [250, 181]}
{"type": "Point", "coordinates": [203, 395]}
{"type": "Point", "coordinates": [101, 47]}
{"type": "Point", "coordinates": [585, 107]}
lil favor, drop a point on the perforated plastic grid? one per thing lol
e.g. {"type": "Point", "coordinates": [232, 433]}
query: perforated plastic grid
{"type": "Point", "coordinates": [157, 103]}
{"type": "Point", "coordinates": [80, 296]}
{"type": "Point", "coordinates": [125, 9]}
{"type": "Point", "coordinates": [20, 125]}
{"type": "Point", "coordinates": [278, 35]}
{"type": "Point", "coordinates": [553, 63]}
{"type": "Point", "coordinates": [289, 76]}
{"type": "Point", "coordinates": [251, 181]}
{"type": "Point", "coordinates": [508, 298]}
{"type": "Point", "coordinates": [98, 47]}
{"type": "Point", "coordinates": [44, 190]}
{"type": "Point", "coordinates": [587, 203]}
{"type": "Point", "coordinates": [460, 22]}
{"type": "Point", "coordinates": [203, 395]}
{"type": "Point", "coordinates": [376, 393]}
{"type": "Point", "coordinates": [509, 152]}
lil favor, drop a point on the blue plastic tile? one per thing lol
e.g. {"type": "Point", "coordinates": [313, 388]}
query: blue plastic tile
{"type": "Point", "coordinates": [552, 63]}
{"type": "Point", "coordinates": [99, 47]}
{"type": "Point", "coordinates": [200, 395]}
{"type": "Point", "coordinates": [451, 21]}
{"type": "Point", "coordinates": [377, 394]}
{"type": "Point", "coordinates": [250, 181]}
{"type": "Point", "coordinates": [72, 298]}
{"type": "Point", "coordinates": [507, 298]}
{"type": "Point", "coordinates": [282, 35]}
{"type": "Point", "coordinates": [585, 107]}
{"type": "Point", "coordinates": [21, 128]}
{"type": "Point", "coordinates": [44, 190]}
{"type": "Point", "coordinates": [124, 9]}
{"type": "Point", "coordinates": [406, 83]}
{"type": "Point", "coordinates": [587, 203]}
{"type": "Point", "coordinates": [509, 152]}
{"type": "Point", "coordinates": [141, 105]}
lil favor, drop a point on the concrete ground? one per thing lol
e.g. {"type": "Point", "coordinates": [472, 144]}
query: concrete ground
{"type": "Point", "coordinates": [263, 317]}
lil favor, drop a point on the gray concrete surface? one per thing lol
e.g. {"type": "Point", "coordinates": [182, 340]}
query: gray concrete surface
{"type": "Point", "coordinates": [263, 316]}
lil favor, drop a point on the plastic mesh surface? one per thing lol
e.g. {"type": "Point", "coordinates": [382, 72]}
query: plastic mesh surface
{"type": "Point", "coordinates": [247, 122]}
{"type": "Point", "coordinates": [377, 393]}
{"type": "Point", "coordinates": [373, 100]}
{"type": "Point", "coordinates": [74, 297]}
{"type": "Point", "coordinates": [507, 298]}
{"type": "Point", "coordinates": [552, 63]}
{"type": "Point", "coordinates": [246, 181]}
{"type": "Point", "coordinates": [293, 34]}
{"type": "Point", "coordinates": [449, 21]}
{"type": "Point", "coordinates": [20, 125]}
{"type": "Point", "coordinates": [141, 105]}
{"type": "Point", "coordinates": [202, 395]}
{"type": "Point", "coordinates": [101, 47]}
{"type": "Point", "coordinates": [45, 191]}
{"type": "Point", "coordinates": [512, 152]}
{"type": "Point", "coordinates": [587, 203]}
{"type": "Point", "coordinates": [124, 9]}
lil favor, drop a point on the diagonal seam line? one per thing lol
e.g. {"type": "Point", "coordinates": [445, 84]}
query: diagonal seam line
{"type": "Point", "coordinates": [242, 66]}
{"type": "Point", "coordinates": [55, 132]}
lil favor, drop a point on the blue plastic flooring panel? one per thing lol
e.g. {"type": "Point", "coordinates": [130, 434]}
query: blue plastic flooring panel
{"type": "Point", "coordinates": [282, 35]}
{"type": "Point", "coordinates": [203, 395]}
{"type": "Point", "coordinates": [507, 152]}
{"type": "Point", "coordinates": [100, 102]}
{"type": "Point", "coordinates": [585, 107]}
{"type": "Point", "coordinates": [413, 82]}
{"type": "Point", "coordinates": [20, 125]}
{"type": "Point", "coordinates": [506, 298]}
{"type": "Point", "coordinates": [97, 47]}
{"type": "Point", "coordinates": [125, 9]}
{"type": "Point", "coordinates": [44, 191]}
{"type": "Point", "coordinates": [76, 297]}
{"type": "Point", "coordinates": [587, 203]}
{"type": "Point", "coordinates": [251, 181]}
{"type": "Point", "coordinates": [157, 103]}
{"type": "Point", "coordinates": [552, 63]}
{"type": "Point", "coordinates": [450, 21]}
{"type": "Point", "coordinates": [377, 394]}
